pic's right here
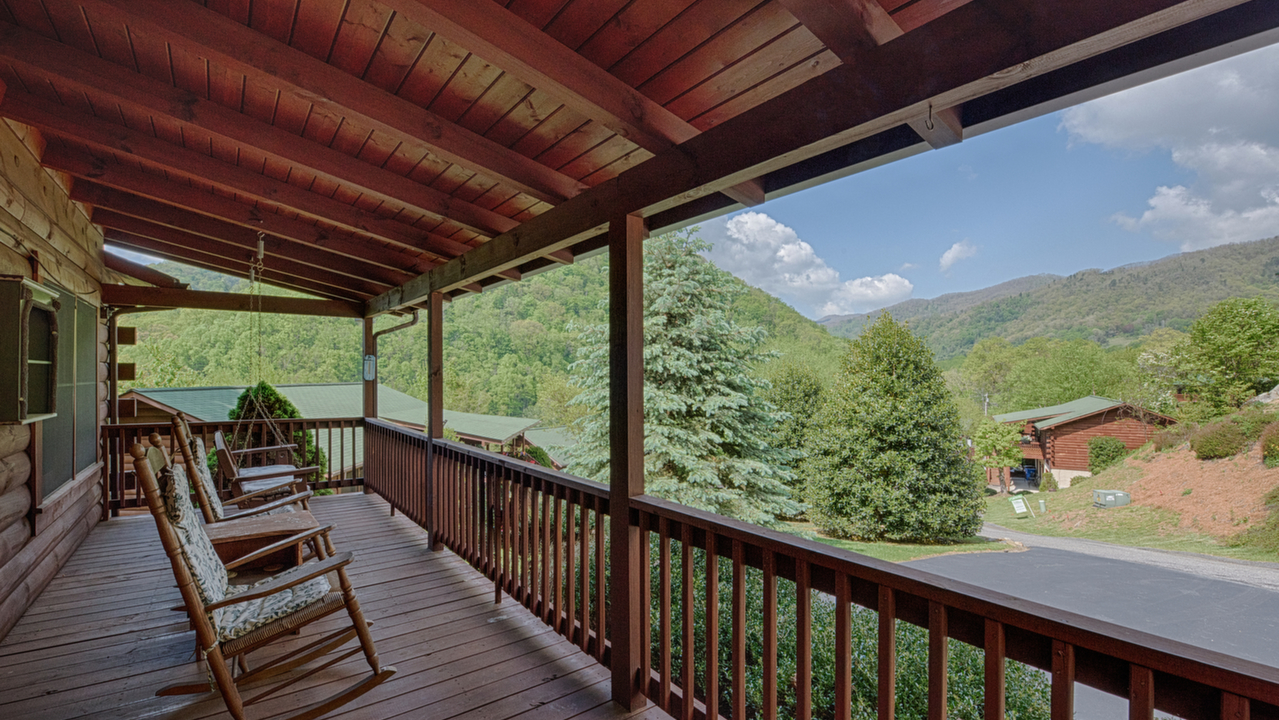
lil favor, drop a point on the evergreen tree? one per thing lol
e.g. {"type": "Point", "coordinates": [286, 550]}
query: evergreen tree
{"type": "Point", "coordinates": [708, 434]}
{"type": "Point", "coordinates": [886, 460]}
{"type": "Point", "coordinates": [796, 390]}
{"type": "Point", "coordinates": [263, 401]}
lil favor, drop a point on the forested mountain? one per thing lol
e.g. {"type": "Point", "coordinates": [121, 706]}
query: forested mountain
{"type": "Point", "coordinates": [1112, 307]}
{"type": "Point", "coordinates": [507, 350]}
{"type": "Point", "coordinates": [851, 325]}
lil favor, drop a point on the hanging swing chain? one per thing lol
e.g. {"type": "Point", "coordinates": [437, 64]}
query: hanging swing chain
{"type": "Point", "coordinates": [257, 266]}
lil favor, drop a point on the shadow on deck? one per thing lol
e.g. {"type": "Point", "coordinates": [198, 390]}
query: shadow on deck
{"type": "Point", "coordinates": [103, 637]}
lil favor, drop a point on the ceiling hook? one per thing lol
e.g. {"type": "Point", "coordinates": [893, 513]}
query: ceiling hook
{"type": "Point", "coordinates": [928, 122]}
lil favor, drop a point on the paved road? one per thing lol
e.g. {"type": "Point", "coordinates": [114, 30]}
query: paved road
{"type": "Point", "coordinates": [1226, 605]}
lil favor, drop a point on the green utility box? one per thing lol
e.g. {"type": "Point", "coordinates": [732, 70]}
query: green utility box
{"type": "Point", "coordinates": [1110, 498]}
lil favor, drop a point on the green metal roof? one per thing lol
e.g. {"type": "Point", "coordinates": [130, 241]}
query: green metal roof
{"type": "Point", "coordinates": [555, 441]}
{"type": "Point", "coordinates": [1058, 414]}
{"type": "Point", "coordinates": [489, 428]}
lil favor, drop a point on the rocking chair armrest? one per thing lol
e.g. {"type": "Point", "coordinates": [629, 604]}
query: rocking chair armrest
{"type": "Point", "coordinates": [279, 473]}
{"type": "Point", "coordinates": [268, 507]}
{"type": "Point", "coordinates": [274, 547]}
{"type": "Point", "coordinates": [280, 583]}
{"type": "Point", "coordinates": [268, 448]}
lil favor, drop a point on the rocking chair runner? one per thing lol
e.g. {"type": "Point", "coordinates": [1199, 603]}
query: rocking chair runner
{"type": "Point", "coordinates": [231, 621]}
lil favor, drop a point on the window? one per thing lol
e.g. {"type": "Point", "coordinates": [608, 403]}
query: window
{"type": "Point", "coordinates": [70, 440]}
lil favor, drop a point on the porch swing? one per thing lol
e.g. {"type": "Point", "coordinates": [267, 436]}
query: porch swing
{"type": "Point", "coordinates": [233, 457]}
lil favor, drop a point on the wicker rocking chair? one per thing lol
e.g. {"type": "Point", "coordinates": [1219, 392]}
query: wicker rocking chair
{"type": "Point", "coordinates": [232, 621]}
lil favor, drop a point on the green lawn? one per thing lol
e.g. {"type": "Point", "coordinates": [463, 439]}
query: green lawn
{"type": "Point", "coordinates": [1071, 514]}
{"type": "Point", "coordinates": [902, 552]}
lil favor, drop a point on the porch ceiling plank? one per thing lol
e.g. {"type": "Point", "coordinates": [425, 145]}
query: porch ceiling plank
{"type": "Point", "coordinates": [239, 239]}
{"type": "Point", "coordinates": [219, 264]}
{"type": "Point", "coordinates": [974, 50]}
{"type": "Point", "coordinates": [511, 43]}
{"type": "Point", "coordinates": [848, 28]}
{"type": "Point", "coordinates": [183, 162]}
{"type": "Point", "coordinates": [232, 251]}
{"type": "Point", "coordinates": [70, 69]}
{"type": "Point", "coordinates": [116, 175]}
{"type": "Point", "coordinates": [238, 302]}
{"type": "Point", "coordinates": [209, 34]}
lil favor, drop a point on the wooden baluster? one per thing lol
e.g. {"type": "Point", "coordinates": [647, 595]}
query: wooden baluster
{"type": "Point", "coordinates": [559, 564]}
{"type": "Point", "coordinates": [534, 538]}
{"type": "Point", "coordinates": [646, 622]}
{"type": "Point", "coordinates": [686, 661]}
{"type": "Point", "coordinates": [664, 612]}
{"type": "Point", "coordinates": [1141, 693]}
{"type": "Point", "coordinates": [937, 661]}
{"type": "Point", "coordinates": [584, 580]}
{"type": "Point", "coordinates": [570, 576]}
{"type": "Point", "coordinates": [1234, 707]}
{"type": "Point", "coordinates": [711, 681]}
{"type": "Point", "coordinates": [528, 516]}
{"type": "Point", "coordinates": [803, 642]}
{"type": "Point", "coordinates": [887, 653]}
{"type": "Point", "coordinates": [739, 631]}
{"type": "Point", "coordinates": [843, 647]}
{"type": "Point", "coordinates": [995, 653]}
{"type": "Point", "coordinates": [601, 582]}
{"type": "Point", "coordinates": [769, 701]}
{"type": "Point", "coordinates": [547, 553]}
{"type": "Point", "coordinates": [1063, 681]}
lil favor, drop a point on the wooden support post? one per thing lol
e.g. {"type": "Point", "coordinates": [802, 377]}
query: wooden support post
{"type": "Point", "coordinates": [370, 374]}
{"type": "Point", "coordinates": [435, 411]}
{"type": "Point", "coordinates": [626, 452]}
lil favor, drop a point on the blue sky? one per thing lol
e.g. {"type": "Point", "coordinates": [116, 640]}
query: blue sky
{"type": "Point", "coordinates": [1184, 163]}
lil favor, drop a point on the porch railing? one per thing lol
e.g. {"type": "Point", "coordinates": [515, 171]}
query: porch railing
{"type": "Point", "coordinates": [340, 439]}
{"type": "Point", "coordinates": [541, 536]}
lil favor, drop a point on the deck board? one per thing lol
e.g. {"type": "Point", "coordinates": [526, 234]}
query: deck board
{"type": "Point", "coordinates": [103, 636]}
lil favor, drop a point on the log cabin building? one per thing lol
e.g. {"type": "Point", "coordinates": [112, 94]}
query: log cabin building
{"type": "Point", "coordinates": [1055, 438]}
{"type": "Point", "coordinates": [384, 157]}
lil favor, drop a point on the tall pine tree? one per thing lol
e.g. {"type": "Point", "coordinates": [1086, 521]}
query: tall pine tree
{"type": "Point", "coordinates": [708, 434]}
{"type": "Point", "coordinates": [885, 457]}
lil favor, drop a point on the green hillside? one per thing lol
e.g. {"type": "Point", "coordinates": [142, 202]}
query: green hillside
{"type": "Point", "coordinates": [507, 350]}
{"type": "Point", "coordinates": [1112, 307]}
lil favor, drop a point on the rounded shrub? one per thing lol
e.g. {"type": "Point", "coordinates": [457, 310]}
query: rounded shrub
{"type": "Point", "coordinates": [1270, 445]}
{"type": "Point", "coordinates": [1172, 437]}
{"type": "Point", "coordinates": [1253, 421]}
{"type": "Point", "coordinates": [1218, 440]}
{"type": "Point", "coordinates": [1104, 452]}
{"type": "Point", "coordinates": [1048, 482]}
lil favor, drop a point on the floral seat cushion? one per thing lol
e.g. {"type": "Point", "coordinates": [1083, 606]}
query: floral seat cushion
{"type": "Point", "coordinates": [205, 478]}
{"type": "Point", "coordinates": [233, 621]}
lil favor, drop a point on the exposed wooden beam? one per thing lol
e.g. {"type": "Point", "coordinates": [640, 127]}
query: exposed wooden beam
{"type": "Point", "coordinates": [133, 295]}
{"type": "Point", "coordinates": [850, 27]}
{"type": "Point", "coordinates": [141, 272]}
{"type": "Point", "coordinates": [125, 179]}
{"type": "Point", "coordinates": [208, 34]}
{"type": "Point", "coordinates": [232, 250]}
{"type": "Point", "coordinates": [239, 240]}
{"type": "Point", "coordinates": [187, 255]}
{"type": "Point", "coordinates": [974, 50]}
{"type": "Point", "coordinates": [73, 70]}
{"type": "Point", "coordinates": [182, 162]}
{"type": "Point", "coordinates": [511, 43]}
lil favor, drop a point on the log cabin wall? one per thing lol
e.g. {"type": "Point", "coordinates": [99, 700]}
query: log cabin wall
{"type": "Point", "coordinates": [39, 530]}
{"type": "Point", "coordinates": [1067, 444]}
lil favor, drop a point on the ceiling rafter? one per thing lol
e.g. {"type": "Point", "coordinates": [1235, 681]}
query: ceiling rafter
{"type": "Point", "coordinates": [214, 262]}
{"type": "Point", "coordinates": [972, 51]}
{"type": "Point", "coordinates": [69, 68]}
{"type": "Point", "coordinates": [511, 43]}
{"type": "Point", "coordinates": [206, 33]}
{"type": "Point", "coordinates": [849, 28]}
{"type": "Point", "coordinates": [182, 162]}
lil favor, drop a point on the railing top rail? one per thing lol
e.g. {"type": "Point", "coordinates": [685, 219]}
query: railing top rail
{"type": "Point", "coordinates": [1233, 674]}
{"type": "Point", "coordinates": [208, 423]}
{"type": "Point", "coordinates": [588, 487]}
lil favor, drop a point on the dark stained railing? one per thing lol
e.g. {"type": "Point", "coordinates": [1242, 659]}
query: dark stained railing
{"type": "Point", "coordinates": [541, 535]}
{"type": "Point", "coordinates": [341, 440]}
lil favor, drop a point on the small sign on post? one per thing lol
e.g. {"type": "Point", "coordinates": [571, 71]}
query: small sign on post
{"type": "Point", "coordinates": [1020, 507]}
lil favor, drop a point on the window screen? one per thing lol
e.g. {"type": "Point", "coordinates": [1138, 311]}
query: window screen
{"type": "Point", "coordinates": [86, 385]}
{"type": "Point", "coordinates": [58, 445]}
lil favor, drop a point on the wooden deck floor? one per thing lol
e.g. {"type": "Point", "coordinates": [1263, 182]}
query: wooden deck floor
{"type": "Point", "coordinates": [102, 637]}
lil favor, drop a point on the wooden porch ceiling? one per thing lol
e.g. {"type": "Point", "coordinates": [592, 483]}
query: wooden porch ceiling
{"type": "Point", "coordinates": [375, 143]}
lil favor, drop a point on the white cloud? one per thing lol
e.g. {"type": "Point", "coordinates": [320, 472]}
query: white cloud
{"type": "Point", "coordinates": [1217, 122]}
{"type": "Point", "coordinates": [959, 251]}
{"type": "Point", "coordinates": [772, 257]}
{"type": "Point", "coordinates": [907, 266]}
